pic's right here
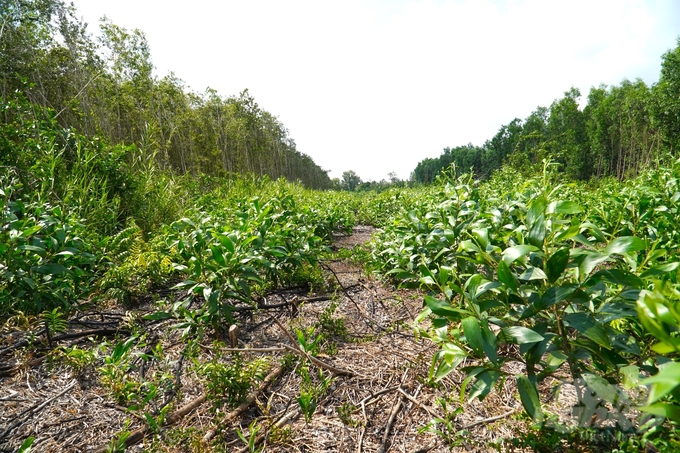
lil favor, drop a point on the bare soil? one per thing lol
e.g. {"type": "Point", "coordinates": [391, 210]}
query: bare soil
{"type": "Point", "coordinates": [378, 401]}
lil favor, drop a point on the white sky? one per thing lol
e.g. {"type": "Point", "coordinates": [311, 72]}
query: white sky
{"type": "Point", "coordinates": [377, 85]}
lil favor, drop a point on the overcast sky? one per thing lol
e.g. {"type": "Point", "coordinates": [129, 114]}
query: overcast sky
{"type": "Point", "coordinates": [377, 85]}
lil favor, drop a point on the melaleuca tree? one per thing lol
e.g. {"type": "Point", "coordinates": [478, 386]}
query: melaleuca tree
{"type": "Point", "coordinates": [666, 104]}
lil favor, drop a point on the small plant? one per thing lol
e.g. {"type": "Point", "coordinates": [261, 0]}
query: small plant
{"type": "Point", "coordinates": [117, 444]}
{"type": "Point", "coordinates": [345, 411]}
{"type": "Point", "coordinates": [55, 321]}
{"type": "Point", "coordinates": [229, 383]}
{"type": "Point", "coordinates": [250, 437]}
{"type": "Point", "coordinates": [309, 392]}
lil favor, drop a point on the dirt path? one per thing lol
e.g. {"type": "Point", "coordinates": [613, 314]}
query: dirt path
{"type": "Point", "coordinates": [377, 403]}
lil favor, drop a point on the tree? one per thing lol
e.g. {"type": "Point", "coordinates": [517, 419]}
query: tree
{"type": "Point", "coordinates": [666, 106]}
{"type": "Point", "coordinates": [350, 180]}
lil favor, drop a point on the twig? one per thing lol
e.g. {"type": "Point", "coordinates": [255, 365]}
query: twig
{"type": "Point", "coordinates": [28, 412]}
{"type": "Point", "coordinates": [280, 349]}
{"type": "Point", "coordinates": [488, 420]}
{"type": "Point", "coordinates": [281, 304]}
{"type": "Point", "coordinates": [66, 336]}
{"type": "Point", "coordinates": [318, 362]}
{"type": "Point", "coordinates": [390, 423]}
{"type": "Point", "coordinates": [307, 356]}
{"type": "Point", "coordinates": [419, 404]}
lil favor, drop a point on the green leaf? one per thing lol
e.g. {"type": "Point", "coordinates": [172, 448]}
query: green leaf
{"type": "Point", "coordinates": [618, 277]}
{"type": "Point", "coordinates": [448, 359]}
{"type": "Point", "coordinates": [589, 327]}
{"type": "Point", "coordinates": [601, 387]}
{"type": "Point", "coordinates": [533, 273]}
{"type": "Point", "coordinates": [556, 264]}
{"type": "Point", "coordinates": [52, 269]}
{"type": "Point", "coordinates": [159, 315]}
{"type": "Point", "coordinates": [659, 270]}
{"type": "Point", "coordinates": [473, 335]}
{"type": "Point", "coordinates": [519, 335]}
{"type": "Point", "coordinates": [564, 207]}
{"type": "Point", "coordinates": [505, 276]}
{"type": "Point", "coordinates": [625, 244]}
{"type": "Point", "coordinates": [529, 396]}
{"type": "Point", "coordinates": [536, 209]}
{"type": "Point", "coordinates": [513, 253]}
{"type": "Point", "coordinates": [484, 383]}
{"type": "Point", "coordinates": [26, 445]}
{"type": "Point", "coordinates": [663, 382]}
{"type": "Point", "coordinates": [537, 231]}
{"type": "Point", "coordinates": [590, 261]}
{"type": "Point", "coordinates": [630, 375]}
{"type": "Point", "coordinates": [444, 309]}
{"type": "Point", "coordinates": [670, 411]}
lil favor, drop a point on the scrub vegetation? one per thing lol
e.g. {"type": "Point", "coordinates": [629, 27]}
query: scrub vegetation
{"type": "Point", "coordinates": [170, 262]}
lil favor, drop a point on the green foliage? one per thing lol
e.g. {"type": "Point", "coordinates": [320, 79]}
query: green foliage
{"type": "Point", "coordinates": [521, 273]}
{"type": "Point", "coordinates": [311, 390]}
{"type": "Point", "coordinates": [229, 383]}
{"type": "Point", "coordinates": [43, 262]}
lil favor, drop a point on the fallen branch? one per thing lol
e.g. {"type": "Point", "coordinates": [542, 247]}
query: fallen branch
{"type": "Point", "coordinates": [139, 434]}
{"type": "Point", "coordinates": [390, 423]}
{"type": "Point", "coordinates": [419, 404]}
{"type": "Point", "coordinates": [281, 304]}
{"type": "Point", "coordinates": [66, 336]}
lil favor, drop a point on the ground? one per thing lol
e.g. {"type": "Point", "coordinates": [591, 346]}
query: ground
{"type": "Point", "coordinates": [370, 381]}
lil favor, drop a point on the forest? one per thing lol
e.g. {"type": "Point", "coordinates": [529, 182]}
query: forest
{"type": "Point", "coordinates": [618, 132]}
{"type": "Point", "coordinates": [176, 276]}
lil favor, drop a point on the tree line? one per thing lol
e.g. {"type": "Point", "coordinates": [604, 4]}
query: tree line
{"type": "Point", "coordinates": [105, 88]}
{"type": "Point", "coordinates": [620, 130]}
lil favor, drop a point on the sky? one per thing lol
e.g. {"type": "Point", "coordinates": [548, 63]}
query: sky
{"type": "Point", "coordinates": [375, 86]}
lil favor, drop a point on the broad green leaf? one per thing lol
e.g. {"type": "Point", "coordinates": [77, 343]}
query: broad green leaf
{"type": "Point", "coordinates": [469, 246]}
{"type": "Point", "coordinates": [217, 255]}
{"type": "Point", "coordinates": [447, 359]}
{"type": "Point", "coordinates": [513, 253]}
{"type": "Point", "coordinates": [630, 375]}
{"type": "Point", "coordinates": [482, 236]}
{"type": "Point", "coordinates": [27, 444]}
{"type": "Point", "coordinates": [564, 207]}
{"type": "Point", "coordinates": [556, 264]}
{"type": "Point", "coordinates": [443, 308]}
{"type": "Point", "coordinates": [32, 248]}
{"type": "Point", "coordinates": [659, 270]}
{"type": "Point", "coordinates": [536, 209]}
{"type": "Point", "coordinates": [618, 277]}
{"type": "Point", "coordinates": [519, 335]}
{"type": "Point", "coordinates": [159, 315]}
{"type": "Point", "coordinates": [52, 269]}
{"type": "Point", "coordinates": [505, 276]}
{"type": "Point", "coordinates": [473, 335]}
{"type": "Point", "coordinates": [589, 327]}
{"type": "Point", "coordinates": [590, 261]}
{"type": "Point", "coordinates": [529, 397]}
{"type": "Point", "coordinates": [663, 382]}
{"type": "Point", "coordinates": [670, 411]}
{"type": "Point", "coordinates": [483, 384]}
{"type": "Point", "coordinates": [537, 231]}
{"type": "Point", "coordinates": [601, 387]}
{"type": "Point", "coordinates": [30, 231]}
{"type": "Point", "coordinates": [594, 230]}
{"type": "Point", "coordinates": [625, 244]}
{"type": "Point", "coordinates": [533, 273]}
